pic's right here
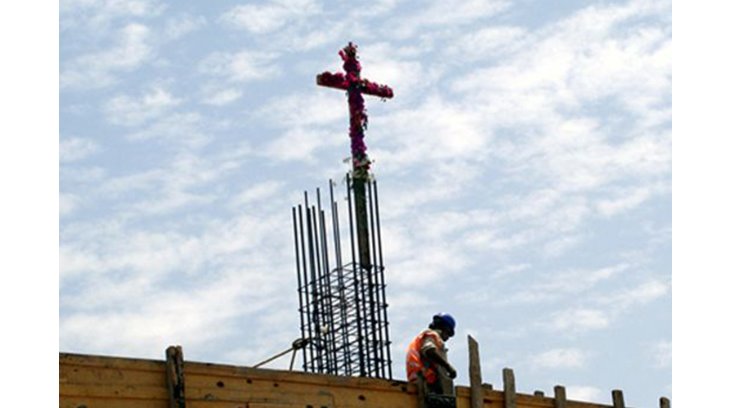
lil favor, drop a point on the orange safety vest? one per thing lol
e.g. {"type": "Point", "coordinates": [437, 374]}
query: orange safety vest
{"type": "Point", "coordinates": [415, 363]}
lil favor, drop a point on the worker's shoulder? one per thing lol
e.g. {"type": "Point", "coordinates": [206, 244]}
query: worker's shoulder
{"type": "Point", "coordinates": [430, 334]}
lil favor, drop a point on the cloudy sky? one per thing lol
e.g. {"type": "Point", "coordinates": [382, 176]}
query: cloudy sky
{"type": "Point", "coordinates": [524, 169]}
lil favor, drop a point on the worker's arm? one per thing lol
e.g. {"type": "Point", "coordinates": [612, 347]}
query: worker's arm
{"type": "Point", "coordinates": [433, 354]}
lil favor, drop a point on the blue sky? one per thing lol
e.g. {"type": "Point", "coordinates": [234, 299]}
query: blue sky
{"type": "Point", "coordinates": [524, 168]}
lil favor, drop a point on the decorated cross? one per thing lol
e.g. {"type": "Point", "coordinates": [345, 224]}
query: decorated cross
{"type": "Point", "coordinates": [355, 86]}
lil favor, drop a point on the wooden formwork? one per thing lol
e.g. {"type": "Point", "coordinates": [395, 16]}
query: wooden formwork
{"type": "Point", "coordinates": [88, 381]}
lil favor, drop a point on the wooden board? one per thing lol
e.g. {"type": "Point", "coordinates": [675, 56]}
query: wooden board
{"type": "Point", "coordinates": [114, 382]}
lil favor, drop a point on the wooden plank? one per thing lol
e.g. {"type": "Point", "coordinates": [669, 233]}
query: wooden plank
{"type": "Point", "coordinates": [474, 373]}
{"type": "Point", "coordinates": [214, 388]}
{"type": "Point", "coordinates": [246, 389]}
{"type": "Point", "coordinates": [226, 371]}
{"type": "Point", "coordinates": [509, 388]}
{"type": "Point", "coordinates": [495, 399]}
{"type": "Point", "coordinates": [560, 397]}
{"type": "Point", "coordinates": [306, 395]}
{"type": "Point", "coordinates": [115, 382]}
{"type": "Point", "coordinates": [302, 396]}
{"type": "Point", "coordinates": [196, 397]}
{"type": "Point", "coordinates": [101, 375]}
{"type": "Point", "coordinates": [70, 359]}
{"type": "Point", "coordinates": [664, 402]}
{"type": "Point", "coordinates": [79, 402]}
{"type": "Point", "coordinates": [113, 391]}
{"type": "Point", "coordinates": [618, 400]}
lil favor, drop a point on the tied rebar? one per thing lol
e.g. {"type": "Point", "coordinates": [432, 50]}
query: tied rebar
{"type": "Point", "coordinates": [342, 306]}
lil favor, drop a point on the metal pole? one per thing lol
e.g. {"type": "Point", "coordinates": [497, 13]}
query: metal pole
{"type": "Point", "coordinates": [374, 293]}
{"type": "Point", "coordinates": [343, 328]}
{"type": "Point", "coordinates": [306, 290]}
{"type": "Point", "coordinates": [355, 268]}
{"type": "Point", "coordinates": [298, 280]}
{"type": "Point", "coordinates": [382, 281]}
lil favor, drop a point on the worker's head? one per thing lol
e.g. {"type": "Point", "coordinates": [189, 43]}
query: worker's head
{"type": "Point", "coordinates": [444, 323]}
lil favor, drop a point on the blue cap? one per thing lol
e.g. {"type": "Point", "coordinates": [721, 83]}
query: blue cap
{"type": "Point", "coordinates": [447, 320]}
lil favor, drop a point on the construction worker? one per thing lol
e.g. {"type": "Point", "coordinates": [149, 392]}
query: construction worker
{"type": "Point", "coordinates": [427, 351]}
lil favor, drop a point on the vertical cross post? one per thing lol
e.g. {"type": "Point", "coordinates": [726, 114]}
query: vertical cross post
{"type": "Point", "coordinates": [355, 86]}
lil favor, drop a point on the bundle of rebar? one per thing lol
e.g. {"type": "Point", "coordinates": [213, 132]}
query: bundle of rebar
{"type": "Point", "coordinates": [342, 306]}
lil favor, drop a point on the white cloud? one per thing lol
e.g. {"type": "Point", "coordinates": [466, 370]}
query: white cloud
{"type": "Point", "coordinates": [183, 25]}
{"type": "Point", "coordinates": [487, 43]}
{"type": "Point", "coordinates": [133, 111]}
{"type": "Point", "coordinates": [73, 262]}
{"type": "Point", "coordinates": [320, 108]}
{"type": "Point", "coordinates": [646, 292]}
{"type": "Point", "coordinates": [555, 97]}
{"type": "Point", "coordinates": [298, 144]}
{"type": "Point", "coordinates": [405, 300]}
{"type": "Point", "coordinates": [110, 7]}
{"type": "Point", "coordinates": [580, 320]}
{"type": "Point", "coordinates": [551, 209]}
{"type": "Point", "coordinates": [375, 8]}
{"type": "Point", "coordinates": [662, 353]}
{"type": "Point", "coordinates": [400, 68]}
{"type": "Point", "coordinates": [420, 253]}
{"type": "Point", "coordinates": [184, 129]}
{"type": "Point", "coordinates": [83, 175]}
{"type": "Point", "coordinates": [242, 66]}
{"type": "Point", "coordinates": [432, 132]}
{"type": "Point", "coordinates": [221, 97]}
{"type": "Point", "coordinates": [152, 252]}
{"type": "Point", "coordinates": [76, 148]}
{"type": "Point", "coordinates": [252, 65]}
{"type": "Point", "coordinates": [178, 183]}
{"type": "Point", "coordinates": [560, 245]}
{"type": "Point", "coordinates": [626, 200]}
{"type": "Point", "coordinates": [141, 322]}
{"type": "Point", "coordinates": [561, 358]}
{"type": "Point", "coordinates": [511, 270]}
{"type": "Point", "coordinates": [67, 203]}
{"type": "Point", "coordinates": [128, 261]}
{"type": "Point", "coordinates": [646, 154]}
{"type": "Point", "coordinates": [256, 193]}
{"type": "Point", "coordinates": [424, 264]}
{"type": "Point", "coordinates": [606, 309]}
{"type": "Point", "coordinates": [98, 15]}
{"type": "Point", "coordinates": [98, 69]}
{"type": "Point", "coordinates": [260, 19]}
{"type": "Point", "coordinates": [444, 13]}
{"type": "Point", "coordinates": [171, 199]}
{"type": "Point", "coordinates": [555, 286]}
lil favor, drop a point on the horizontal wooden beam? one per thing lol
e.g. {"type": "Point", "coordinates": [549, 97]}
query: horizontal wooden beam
{"type": "Point", "coordinates": [137, 383]}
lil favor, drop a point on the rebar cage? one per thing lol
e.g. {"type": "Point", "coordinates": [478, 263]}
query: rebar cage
{"type": "Point", "coordinates": [342, 306]}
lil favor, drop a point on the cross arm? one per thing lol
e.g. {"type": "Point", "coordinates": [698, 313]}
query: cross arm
{"type": "Point", "coordinates": [330, 80]}
{"type": "Point", "coordinates": [340, 81]}
{"type": "Point", "coordinates": [373, 88]}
